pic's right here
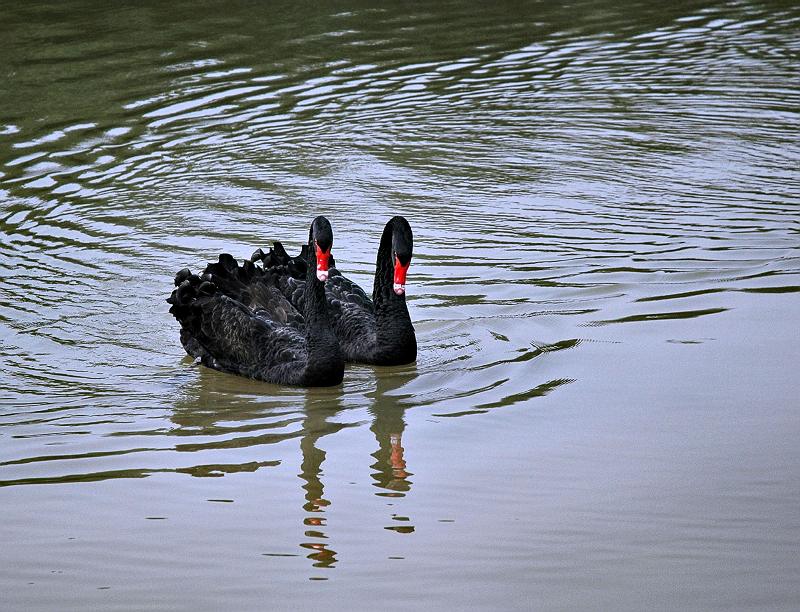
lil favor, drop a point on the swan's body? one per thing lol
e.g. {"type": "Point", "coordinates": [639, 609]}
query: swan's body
{"type": "Point", "coordinates": [261, 335]}
{"type": "Point", "coordinates": [376, 330]}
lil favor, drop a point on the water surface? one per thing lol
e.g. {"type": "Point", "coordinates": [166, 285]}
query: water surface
{"type": "Point", "coordinates": [604, 286]}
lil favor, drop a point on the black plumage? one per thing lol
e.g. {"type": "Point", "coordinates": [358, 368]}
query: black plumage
{"type": "Point", "coordinates": [236, 319]}
{"type": "Point", "coordinates": [376, 330]}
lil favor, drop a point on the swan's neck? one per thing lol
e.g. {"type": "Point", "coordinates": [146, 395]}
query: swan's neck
{"type": "Point", "coordinates": [323, 348]}
{"type": "Point", "coordinates": [382, 292]}
{"type": "Point", "coordinates": [393, 323]}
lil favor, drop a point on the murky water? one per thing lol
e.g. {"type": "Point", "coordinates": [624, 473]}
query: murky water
{"type": "Point", "coordinates": [604, 412]}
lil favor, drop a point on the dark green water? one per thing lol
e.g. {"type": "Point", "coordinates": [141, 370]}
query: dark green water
{"type": "Point", "coordinates": [604, 412]}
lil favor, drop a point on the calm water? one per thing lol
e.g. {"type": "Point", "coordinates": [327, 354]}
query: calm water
{"type": "Point", "coordinates": [604, 412]}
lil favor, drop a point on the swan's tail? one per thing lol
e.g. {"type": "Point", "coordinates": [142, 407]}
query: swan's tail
{"type": "Point", "coordinates": [186, 299]}
{"type": "Point", "coordinates": [226, 335]}
{"type": "Point", "coordinates": [258, 289]}
{"type": "Point", "coordinates": [231, 279]}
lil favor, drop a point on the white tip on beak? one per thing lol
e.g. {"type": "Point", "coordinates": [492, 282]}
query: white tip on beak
{"type": "Point", "coordinates": [322, 275]}
{"type": "Point", "coordinates": [399, 289]}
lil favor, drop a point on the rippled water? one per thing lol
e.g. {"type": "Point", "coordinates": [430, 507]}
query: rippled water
{"type": "Point", "coordinates": [605, 205]}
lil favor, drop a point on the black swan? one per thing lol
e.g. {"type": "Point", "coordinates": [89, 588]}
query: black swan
{"type": "Point", "coordinates": [261, 335]}
{"type": "Point", "coordinates": [376, 331]}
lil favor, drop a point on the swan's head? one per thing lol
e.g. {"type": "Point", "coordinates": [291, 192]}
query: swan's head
{"type": "Point", "coordinates": [402, 250]}
{"type": "Point", "coordinates": [322, 237]}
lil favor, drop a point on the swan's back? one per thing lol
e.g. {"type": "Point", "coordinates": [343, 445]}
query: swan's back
{"type": "Point", "coordinates": [229, 336]}
{"type": "Point", "coordinates": [351, 310]}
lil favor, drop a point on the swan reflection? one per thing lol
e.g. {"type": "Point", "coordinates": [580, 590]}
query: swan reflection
{"type": "Point", "coordinates": [388, 424]}
{"type": "Point", "coordinates": [391, 473]}
{"type": "Point", "coordinates": [320, 406]}
{"type": "Point", "coordinates": [228, 412]}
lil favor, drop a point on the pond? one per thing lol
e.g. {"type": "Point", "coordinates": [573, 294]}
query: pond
{"type": "Point", "coordinates": [605, 205]}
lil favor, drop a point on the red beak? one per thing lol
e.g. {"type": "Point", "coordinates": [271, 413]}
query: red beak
{"type": "Point", "coordinates": [322, 263]}
{"type": "Point", "coordinates": [400, 272]}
